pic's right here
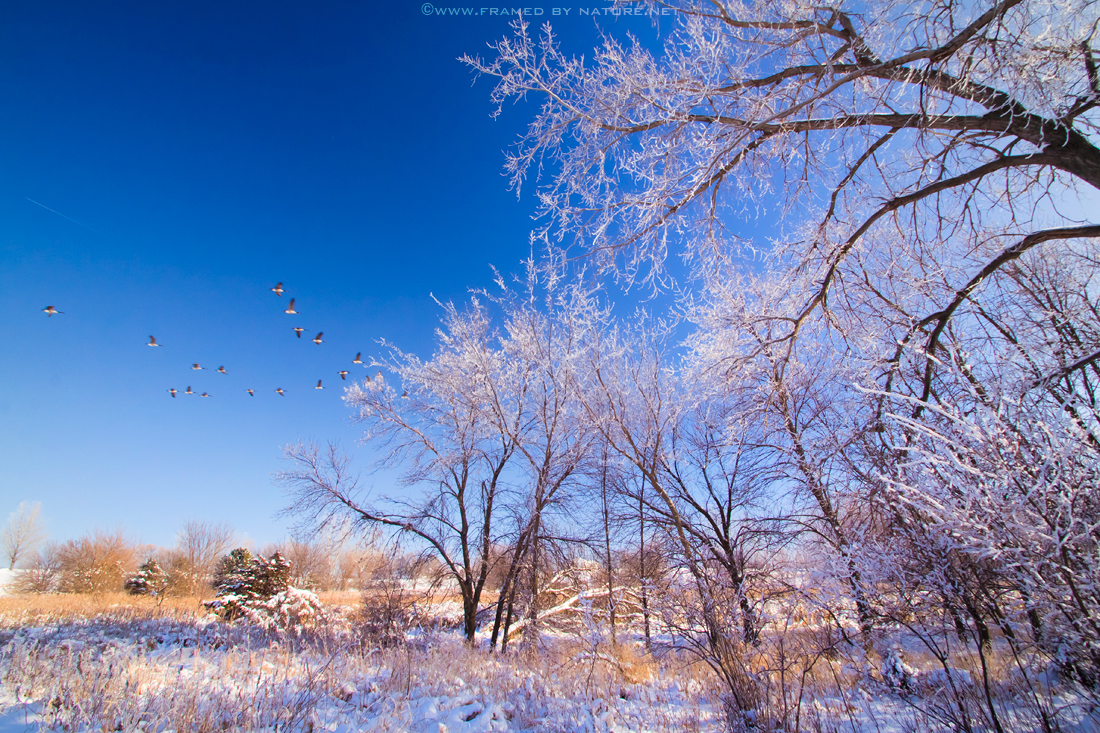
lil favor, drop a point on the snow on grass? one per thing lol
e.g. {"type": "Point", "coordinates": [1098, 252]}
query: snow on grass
{"type": "Point", "coordinates": [114, 666]}
{"type": "Point", "coordinates": [161, 674]}
{"type": "Point", "coordinates": [7, 577]}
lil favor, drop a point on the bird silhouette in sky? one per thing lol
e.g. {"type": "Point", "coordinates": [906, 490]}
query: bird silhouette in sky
{"type": "Point", "coordinates": [358, 359]}
{"type": "Point", "coordinates": [196, 366]}
{"type": "Point", "coordinates": [290, 309]}
{"type": "Point", "coordinates": [278, 289]}
{"type": "Point", "coordinates": [343, 373]}
{"type": "Point", "coordinates": [222, 370]}
{"type": "Point", "coordinates": [280, 391]}
{"type": "Point", "coordinates": [50, 310]}
{"type": "Point", "coordinates": [298, 330]}
{"type": "Point", "coordinates": [205, 395]}
{"type": "Point", "coordinates": [153, 342]}
{"type": "Point", "coordinates": [189, 391]}
{"type": "Point", "coordinates": [172, 392]}
{"type": "Point", "coordinates": [318, 385]}
{"type": "Point", "coordinates": [250, 393]}
{"type": "Point", "coordinates": [317, 339]}
{"type": "Point", "coordinates": [405, 395]}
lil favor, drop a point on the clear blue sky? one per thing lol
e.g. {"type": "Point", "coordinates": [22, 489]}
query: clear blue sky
{"type": "Point", "coordinates": [196, 154]}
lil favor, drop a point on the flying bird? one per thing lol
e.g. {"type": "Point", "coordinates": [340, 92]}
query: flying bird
{"type": "Point", "coordinates": [405, 395]}
{"type": "Point", "coordinates": [172, 392]}
{"type": "Point", "coordinates": [222, 370]}
{"type": "Point", "coordinates": [291, 308]}
{"type": "Point", "coordinates": [318, 385]}
{"type": "Point", "coordinates": [317, 338]}
{"type": "Point", "coordinates": [357, 359]}
{"type": "Point", "coordinates": [205, 395]}
{"type": "Point", "coordinates": [196, 366]}
{"type": "Point", "coordinates": [280, 391]}
{"type": "Point", "coordinates": [250, 393]}
{"type": "Point", "coordinates": [50, 310]}
{"type": "Point", "coordinates": [278, 289]}
{"type": "Point", "coordinates": [298, 330]}
{"type": "Point", "coordinates": [343, 373]}
{"type": "Point", "coordinates": [153, 342]}
{"type": "Point", "coordinates": [189, 391]}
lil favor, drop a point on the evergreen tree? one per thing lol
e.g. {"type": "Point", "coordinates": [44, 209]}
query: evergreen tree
{"type": "Point", "coordinates": [231, 573]}
{"type": "Point", "coordinates": [149, 580]}
{"type": "Point", "coordinates": [244, 581]}
{"type": "Point", "coordinates": [270, 577]}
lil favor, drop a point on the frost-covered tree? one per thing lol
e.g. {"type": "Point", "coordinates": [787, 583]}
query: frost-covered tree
{"type": "Point", "coordinates": [549, 323]}
{"type": "Point", "coordinates": [484, 432]}
{"type": "Point", "coordinates": [433, 427]}
{"type": "Point", "coordinates": [917, 163]}
{"type": "Point", "coordinates": [710, 484]}
{"type": "Point", "coordinates": [23, 532]}
{"type": "Point", "coordinates": [888, 136]}
{"type": "Point", "coordinates": [1002, 464]}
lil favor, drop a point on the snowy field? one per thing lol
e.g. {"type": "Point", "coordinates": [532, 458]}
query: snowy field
{"type": "Point", "coordinates": [180, 673]}
{"type": "Point", "coordinates": [6, 578]}
{"type": "Point", "coordinates": [115, 664]}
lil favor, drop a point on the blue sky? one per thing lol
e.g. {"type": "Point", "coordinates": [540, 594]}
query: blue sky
{"type": "Point", "coordinates": [193, 155]}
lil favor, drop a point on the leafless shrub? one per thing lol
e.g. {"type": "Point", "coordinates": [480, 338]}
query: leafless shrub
{"type": "Point", "coordinates": [390, 595]}
{"type": "Point", "coordinates": [43, 572]}
{"type": "Point", "coordinates": [312, 565]}
{"type": "Point", "coordinates": [199, 545]}
{"type": "Point", "coordinates": [95, 563]}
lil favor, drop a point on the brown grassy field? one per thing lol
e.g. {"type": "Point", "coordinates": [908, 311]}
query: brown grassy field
{"type": "Point", "coordinates": [41, 608]}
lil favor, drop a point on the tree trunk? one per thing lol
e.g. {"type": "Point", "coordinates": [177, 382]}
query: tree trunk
{"type": "Point", "coordinates": [641, 567]}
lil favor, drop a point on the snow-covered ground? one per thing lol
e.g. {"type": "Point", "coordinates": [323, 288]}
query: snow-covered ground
{"type": "Point", "coordinates": [196, 674]}
{"type": "Point", "coordinates": [7, 577]}
{"type": "Point", "coordinates": [188, 672]}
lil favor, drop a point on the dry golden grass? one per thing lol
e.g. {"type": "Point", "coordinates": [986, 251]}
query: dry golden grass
{"type": "Point", "coordinates": [39, 608]}
{"type": "Point", "coordinates": [340, 597]}
{"type": "Point", "coordinates": [802, 677]}
{"type": "Point", "coordinates": [16, 610]}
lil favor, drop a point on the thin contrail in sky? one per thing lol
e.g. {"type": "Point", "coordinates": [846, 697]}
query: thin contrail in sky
{"type": "Point", "coordinates": [74, 221]}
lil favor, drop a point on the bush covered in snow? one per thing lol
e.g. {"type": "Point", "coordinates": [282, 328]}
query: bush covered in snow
{"type": "Point", "coordinates": [257, 590]}
{"type": "Point", "coordinates": [293, 608]}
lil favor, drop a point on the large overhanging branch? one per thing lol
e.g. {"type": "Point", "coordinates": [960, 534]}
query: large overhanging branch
{"type": "Point", "coordinates": [1031, 128]}
{"type": "Point", "coordinates": [942, 317]}
{"type": "Point", "coordinates": [987, 96]}
{"type": "Point", "coordinates": [866, 64]}
{"type": "Point", "coordinates": [900, 202]}
{"type": "Point", "coordinates": [847, 32]}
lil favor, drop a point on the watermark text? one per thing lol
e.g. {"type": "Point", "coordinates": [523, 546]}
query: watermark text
{"type": "Point", "coordinates": [429, 9]}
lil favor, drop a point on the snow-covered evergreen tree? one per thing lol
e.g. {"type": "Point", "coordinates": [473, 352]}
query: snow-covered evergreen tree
{"type": "Point", "coordinates": [150, 580]}
{"type": "Point", "coordinates": [231, 573]}
{"type": "Point", "coordinates": [258, 589]}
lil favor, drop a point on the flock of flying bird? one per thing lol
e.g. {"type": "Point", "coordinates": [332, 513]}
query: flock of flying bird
{"type": "Point", "coordinates": [298, 330]}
